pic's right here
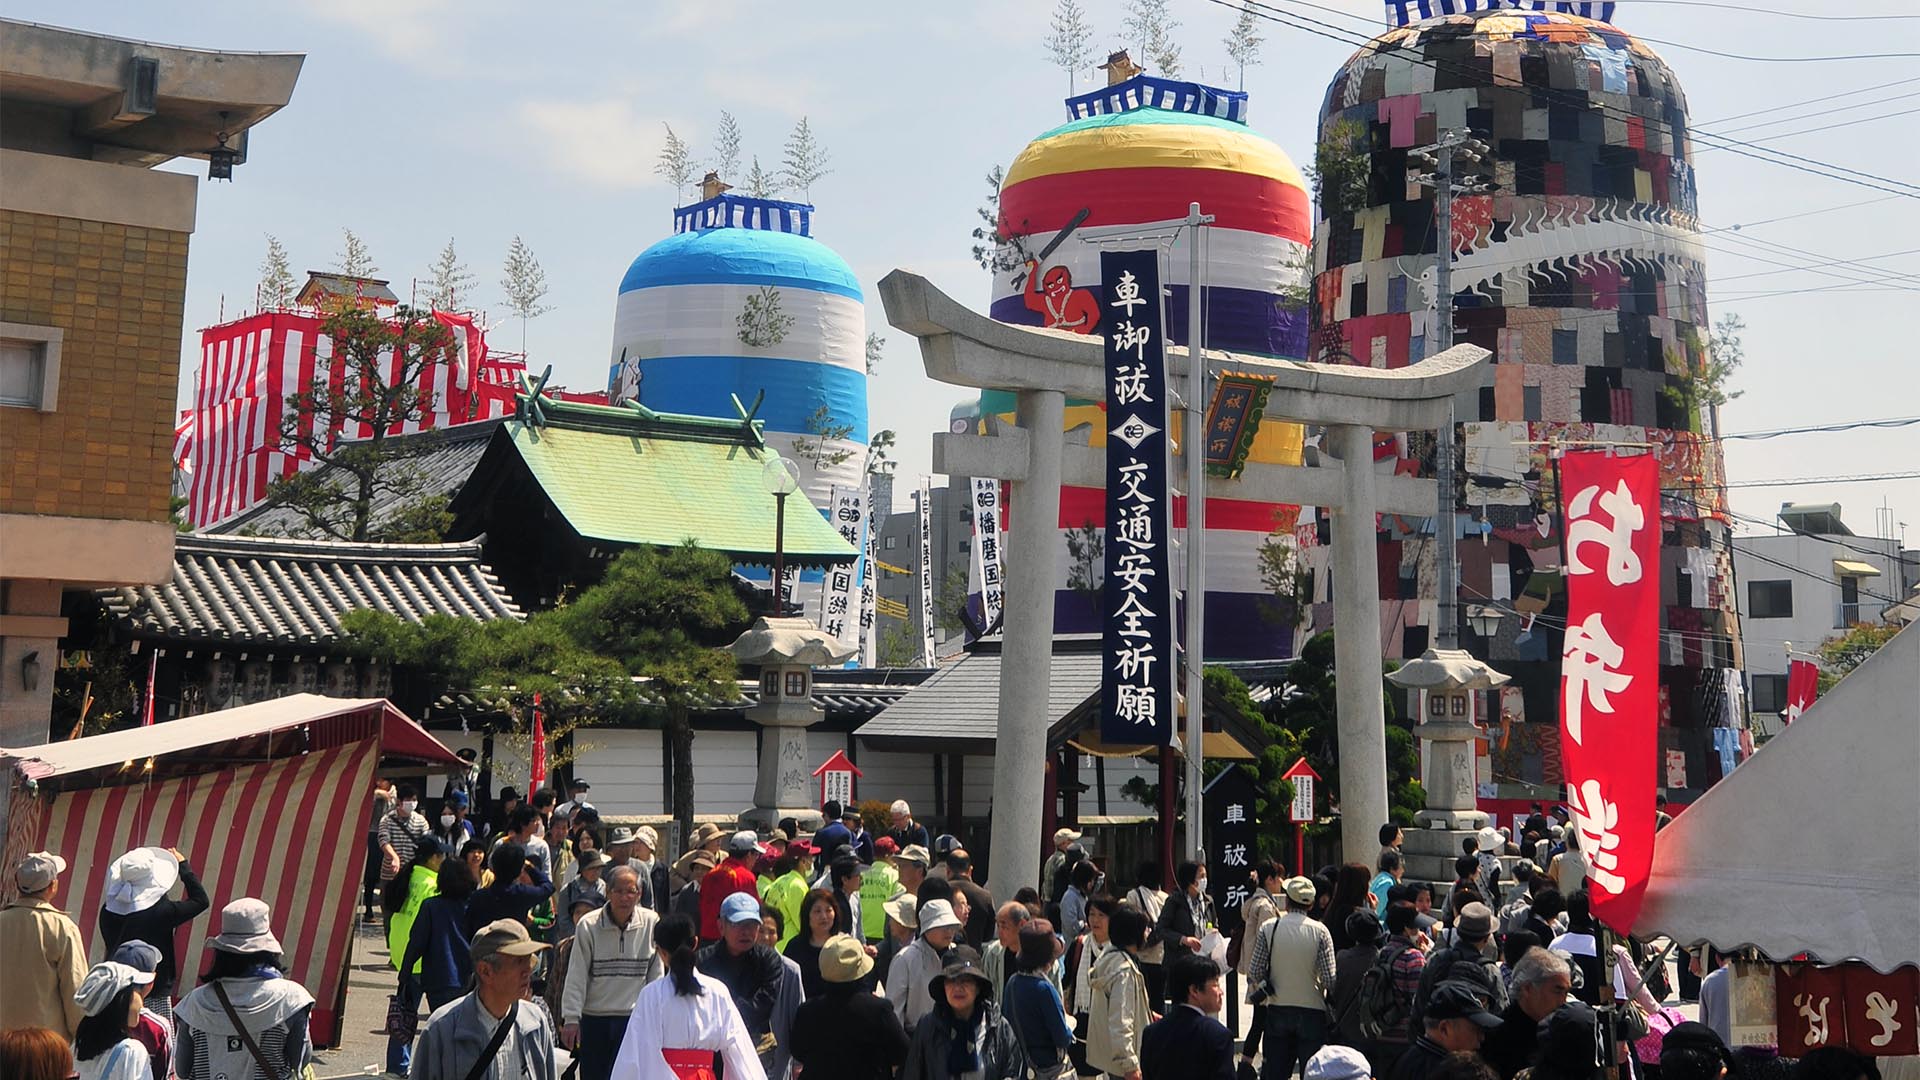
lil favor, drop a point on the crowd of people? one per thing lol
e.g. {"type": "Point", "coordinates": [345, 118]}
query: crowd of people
{"type": "Point", "coordinates": [866, 950]}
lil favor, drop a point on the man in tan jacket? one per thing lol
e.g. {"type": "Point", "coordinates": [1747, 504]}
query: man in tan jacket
{"type": "Point", "coordinates": [41, 951]}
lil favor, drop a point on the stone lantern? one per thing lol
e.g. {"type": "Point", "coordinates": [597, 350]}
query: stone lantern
{"type": "Point", "coordinates": [1447, 680]}
{"type": "Point", "coordinates": [786, 650]}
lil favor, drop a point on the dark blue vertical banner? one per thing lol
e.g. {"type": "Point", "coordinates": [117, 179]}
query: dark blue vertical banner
{"type": "Point", "coordinates": [1231, 842]}
{"type": "Point", "coordinates": [1138, 702]}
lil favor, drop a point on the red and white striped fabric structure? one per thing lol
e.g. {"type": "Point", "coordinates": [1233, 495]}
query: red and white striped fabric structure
{"type": "Point", "coordinates": [290, 831]}
{"type": "Point", "coordinates": [253, 369]}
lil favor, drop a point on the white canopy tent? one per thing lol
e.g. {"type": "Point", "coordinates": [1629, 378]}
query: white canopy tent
{"type": "Point", "coordinates": [1813, 845]}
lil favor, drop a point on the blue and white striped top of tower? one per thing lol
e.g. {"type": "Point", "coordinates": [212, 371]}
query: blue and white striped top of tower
{"type": "Point", "coordinates": [742, 301]}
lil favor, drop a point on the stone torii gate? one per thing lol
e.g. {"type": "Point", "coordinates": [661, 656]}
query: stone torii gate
{"type": "Point", "coordinates": [1045, 367]}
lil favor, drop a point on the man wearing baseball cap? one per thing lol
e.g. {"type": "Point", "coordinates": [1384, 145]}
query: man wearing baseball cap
{"type": "Point", "coordinates": [1292, 974]}
{"type": "Point", "coordinates": [1456, 1021]}
{"type": "Point", "coordinates": [751, 971]}
{"type": "Point", "coordinates": [792, 874]}
{"type": "Point", "coordinates": [734, 875]}
{"type": "Point", "coordinates": [491, 1024]}
{"type": "Point", "coordinates": [40, 951]}
{"type": "Point", "coordinates": [1471, 957]}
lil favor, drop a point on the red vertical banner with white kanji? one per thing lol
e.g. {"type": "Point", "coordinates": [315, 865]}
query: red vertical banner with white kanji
{"type": "Point", "coordinates": [1610, 671]}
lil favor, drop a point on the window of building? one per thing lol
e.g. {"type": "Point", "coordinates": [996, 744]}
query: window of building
{"type": "Point", "coordinates": [1769, 599]}
{"type": "Point", "coordinates": [966, 545]}
{"type": "Point", "coordinates": [891, 543]}
{"type": "Point", "coordinates": [29, 366]}
{"type": "Point", "coordinates": [1769, 693]}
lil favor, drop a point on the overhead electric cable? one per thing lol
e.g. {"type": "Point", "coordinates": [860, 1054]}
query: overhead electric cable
{"type": "Point", "coordinates": [1744, 148]}
{"type": "Point", "coordinates": [1845, 425]}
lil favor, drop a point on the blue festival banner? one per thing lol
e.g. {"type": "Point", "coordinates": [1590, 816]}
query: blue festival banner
{"type": "Point", "coordinates": [1138, 706]}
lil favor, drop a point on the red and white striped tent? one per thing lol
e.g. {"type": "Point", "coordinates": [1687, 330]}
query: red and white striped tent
{"type": "Point", "coordinates": [268, 800]}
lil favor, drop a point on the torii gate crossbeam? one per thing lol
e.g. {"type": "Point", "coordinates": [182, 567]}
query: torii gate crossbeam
{"type": "Point", "coordinates": [1043, 368]}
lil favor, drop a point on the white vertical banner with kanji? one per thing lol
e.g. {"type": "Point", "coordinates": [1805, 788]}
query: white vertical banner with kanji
{"type": "Point", "coordinates": [869, 620]}
{"type": "Point", "coordinates": [1610, 671]}
{"type": "Point", "coordinates": [926, 573]}
{"type": "Point", "coordinates": [840, 593]}
{"type": "Point", "coordinates": [986, 549]}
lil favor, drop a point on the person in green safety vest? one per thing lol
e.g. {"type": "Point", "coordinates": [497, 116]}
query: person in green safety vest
{"type": "Point", "coordinates": [792, 877]}
{"type": "Point", "coordinates": [878, 885]}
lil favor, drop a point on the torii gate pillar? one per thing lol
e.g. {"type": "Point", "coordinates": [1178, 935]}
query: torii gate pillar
{"type": "Point", "coordinates": [1042, 367]}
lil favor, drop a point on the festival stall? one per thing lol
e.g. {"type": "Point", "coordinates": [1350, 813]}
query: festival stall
{"type": "Point", "coordinates": [1807, 852]}
{"type": "Point", "coordinates": [267, 800]}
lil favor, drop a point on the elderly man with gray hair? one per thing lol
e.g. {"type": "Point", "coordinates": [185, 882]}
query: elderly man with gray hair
{"type": "Point", "coordinates": [613, 960]}
{"type": "Point", "coordinates": [999, 955]}
{"type": "Point", "coordinates": [1542, 982]}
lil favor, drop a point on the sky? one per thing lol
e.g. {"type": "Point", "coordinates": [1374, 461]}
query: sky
{"type": "Point", "coordinates": [416, 121]}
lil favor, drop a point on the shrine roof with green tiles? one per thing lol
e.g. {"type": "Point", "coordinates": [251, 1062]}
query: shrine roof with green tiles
{"type": "Point", "coordinates": [628, 475]}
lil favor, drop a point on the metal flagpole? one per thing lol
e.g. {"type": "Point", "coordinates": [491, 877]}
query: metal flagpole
{"type": "Point", "coordinates": [1193, 444]}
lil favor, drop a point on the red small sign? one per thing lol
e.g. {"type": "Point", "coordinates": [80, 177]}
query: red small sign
{"type": "Point", "coordinates": [836, 779]}
{"type": "Point", "coordinates": [1304, 779]}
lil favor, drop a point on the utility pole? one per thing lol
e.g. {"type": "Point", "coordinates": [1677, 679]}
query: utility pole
{"type": "Point", "coordinates": [1439, 157]}
{"type": "Point", "coordinates": [1193, 443]}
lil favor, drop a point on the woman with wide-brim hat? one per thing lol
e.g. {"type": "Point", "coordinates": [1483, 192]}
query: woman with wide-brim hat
{"type": "Point", "coordinates": [847, 1031]}
{"type": "Point", "coordinates": [964, 1035]}
{"type": "Point", "coordinates": [136, 908]}
{"type": "Point", "coordinates": [244, 990]}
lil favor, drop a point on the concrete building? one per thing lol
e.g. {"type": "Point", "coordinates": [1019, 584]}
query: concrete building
{"type": "Point", "coordinates": [899, 538]}
{"type": "Point", "coordinates": [1806, 583]}
{"type": "Point", "coordinates": [92, 294]}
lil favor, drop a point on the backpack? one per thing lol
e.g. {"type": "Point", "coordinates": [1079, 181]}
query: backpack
{"type": "Point", "coordinates": [1382, 1009]}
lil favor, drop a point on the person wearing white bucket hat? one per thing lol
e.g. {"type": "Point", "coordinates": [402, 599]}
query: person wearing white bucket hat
{"type": "Point", "coordinates": [104, 1047]}
{"type": "Point", "coordinates": [246, 1018]}
{"type": "Point", "coordinates": [137, 908]}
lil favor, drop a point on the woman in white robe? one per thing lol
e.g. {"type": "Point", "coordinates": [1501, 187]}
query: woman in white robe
{"type": "Point", "coordinates": [682, 1023]}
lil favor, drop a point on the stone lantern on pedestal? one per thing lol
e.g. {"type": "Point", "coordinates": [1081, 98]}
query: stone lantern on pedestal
{"type": "Point", "coordinates": [786, 650]}
{"type": "Point", "coordinates": [1447, 680]}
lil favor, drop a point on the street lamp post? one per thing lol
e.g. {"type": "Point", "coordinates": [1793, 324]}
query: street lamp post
{"type": "Point", "coordinates": [782, 478]}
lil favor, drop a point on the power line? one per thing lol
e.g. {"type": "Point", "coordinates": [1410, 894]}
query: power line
{"type": "Point", "coordinates": [1847, 425]}
{"type": "Point", "coordinates": [1781, 59]}
{"type": "Point", "coordinates": [1862, 262]}
{"type": "Point", "coordinates": [1744, 9]}
{"type": "Point", "coordinates": [1810, 481]}
{"type": "Point", "coordinates": [1739, 225]}
{"type": "Point", "coordinates": [1742, 147]}
{"type": "Point", "coordinates": [1815, 101]}
{"type": "Point", "coordinates": [1830, 127]}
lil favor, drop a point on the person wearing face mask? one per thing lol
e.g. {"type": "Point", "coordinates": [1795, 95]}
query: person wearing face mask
{"type": "Point", "coordinates": [1186, 916]}
{"type": "Point", "coordinates": [454, 830]}
{"type": "Point", "coordinates": [400, 831]}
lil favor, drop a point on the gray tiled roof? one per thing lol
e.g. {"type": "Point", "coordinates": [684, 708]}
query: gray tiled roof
{"type": "Point", "coordinates": [962, 699]}
{"type": "Point", "coordinates": [444, 458]}
{"type": "Point", "coordinates": [278, 591]}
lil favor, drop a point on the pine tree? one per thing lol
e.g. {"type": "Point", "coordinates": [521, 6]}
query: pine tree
{"type": "Point", "coordinates": [675, 164]}
{"type": "Point", "coordinates": [804, 160]}
{"type": "Point", "coordinates": [760, 183]}
{"type": "Point", "coordinates": [726, 147]}
{"type": "Point", "coordinates": [452, 281]}
{"type": "Point", "coordinates": [1071, 41]}
{"type": "Point", "coordinates": [1153, 24]}
{"type": "Point", "coordinates": [276, 277]}
{"type": "Point", "coordinates": [875, 345]}
{"type": "Point", "coordinates": [353, 259]}
{"type": "Point", "coordinates": [526, 286]}
{"type": "Point", "coordinates": [1244, 41]}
